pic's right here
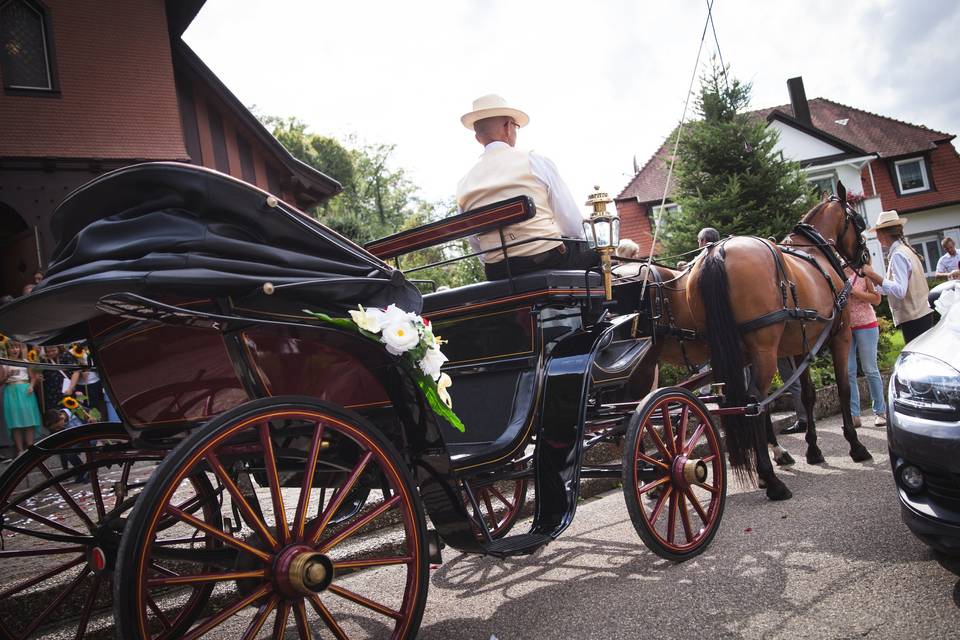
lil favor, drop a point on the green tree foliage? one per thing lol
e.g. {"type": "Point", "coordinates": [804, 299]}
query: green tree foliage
{"type": "Point", "coordinates": [728, 175]}
{"type": "Point", "coordinates": [378, 199]}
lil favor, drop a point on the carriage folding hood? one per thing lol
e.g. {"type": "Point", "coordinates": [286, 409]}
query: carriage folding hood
{"type": "Point", "coordinates": [183, 230]}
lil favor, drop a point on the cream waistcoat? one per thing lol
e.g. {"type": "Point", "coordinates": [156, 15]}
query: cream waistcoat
{"type": "Point", "coordinates": [504, 172]}
{"type": "Point", "coordinates": [914, 304]}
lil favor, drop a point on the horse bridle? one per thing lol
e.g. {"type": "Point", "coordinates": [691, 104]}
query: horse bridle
{"type": "Point", "coordinates": [861, 254]}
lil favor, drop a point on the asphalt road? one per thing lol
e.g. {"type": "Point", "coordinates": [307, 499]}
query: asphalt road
{"type": "Point", "coordinates": [833, 562]}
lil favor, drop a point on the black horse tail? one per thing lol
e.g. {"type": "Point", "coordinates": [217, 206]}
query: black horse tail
{"type": "Point", "coordinates": [727, 362]}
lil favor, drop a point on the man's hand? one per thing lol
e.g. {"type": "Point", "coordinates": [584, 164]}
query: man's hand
{"type": "Point", "coordinates": [954, 275]}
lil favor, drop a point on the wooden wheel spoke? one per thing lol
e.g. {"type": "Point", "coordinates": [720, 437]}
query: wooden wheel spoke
{"type": "Point", "coordinates": [501, 498]}
{"type": "Point", "coordinates": [710, 458]}
{"type": "Point", "coordinates": [237, 496]}
{"type": "Point", "coordinates": [661, 501]}
{"type": "Point", "coordinates": [682, 431]}
{"type": "Point", "coordinates": [300, 518]}
{"type": "Point", "coordinates": [205, 578]}
{"type": "Point", "coordinates": [657, 441]}
{"type": "Point", "coordinates": [273, 479]}
{"type": "Point", "coordinates": [280, 621]}
{"type": "Point", "coordinates": [365, 602]}
{"type": "Point", "coordinates": [668, 435]}
{"type": "Point", "coordinates": [696, 506]}
{"type": "Point", "coordinates": [163, 570]}
{"type": "Point", "coordinates": [672, 517]}
{"type": "Point", "coordinates": [33, 515]}
{"type": "Point", "coordinates": [46, 575]}
{"type": "Point", "coordinates": [97, 492]}
{"type": "Point", "coordinates": [317, 530]}
{"type": "Point", "coordinates": [88, 607]}
{"type": "Point", "coordinates": [359, 524]}
{"type": "Point", "coordinates": [29, 553]}
{"type": "Point", "coordinates": [489, 505]}
{"type": "Point", "coordinates": [645, 458]}
{"type": "Point", "coordinates": [253, 629]}
{"type": "Point", "coordinates": [650, 485]}
{"type": "Point", "coordinates": [303, 625]}
{"type": "Point", "coordinates": [124, 481]}
{"type": "Point", "coordinates": [67, 497]}
{"type": "Point", "coordinates": [685, 519]}
{"type": "Point", "coordinates": [43, 616]}
{"type": "Point", "coordinates": [203, 526]}
{"type": "Point", "coordinates": [371, 562]}
{"type": "Point", "coordinates": [708, 487]}
{"type": "Point", "coordinates": [327, 618]}
{"type": "Point", "coordinates": [698, 432]}
{"type": "Point", "coordinates": [215, 621]}
{"type": "Point", "coordinates": [157, 611]}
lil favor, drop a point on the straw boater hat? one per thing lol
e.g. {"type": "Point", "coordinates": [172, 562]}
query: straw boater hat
{"type": "Point", "coordinates": [888, 219]}
{"type": "Point", "coordinates": [491, 106]}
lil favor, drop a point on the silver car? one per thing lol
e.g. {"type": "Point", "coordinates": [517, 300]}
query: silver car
{"type": "Point", "coordinates": [923, 431]}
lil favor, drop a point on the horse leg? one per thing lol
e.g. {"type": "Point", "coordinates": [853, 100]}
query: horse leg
{"type": "Point", "coordinates": [780, 455]}
{"type": "Point", "coordinates": [840, 350]}
{"type": "Point", "coordinates": [764, 364]}
{"type": "Point", "coordinates": [809, 395]}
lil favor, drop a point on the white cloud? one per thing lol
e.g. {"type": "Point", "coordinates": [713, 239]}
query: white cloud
{"type": "Point", "coordinates": [601, 81]}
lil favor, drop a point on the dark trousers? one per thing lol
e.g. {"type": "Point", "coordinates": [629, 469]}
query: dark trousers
{"type": "Point", "coordinates": [913, 328]}
{"type": "Point", "coordinates": [571, 255]}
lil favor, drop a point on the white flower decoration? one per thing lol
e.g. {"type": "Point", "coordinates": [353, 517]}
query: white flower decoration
{"type": "Point", "coordinates": [431, 362]}
{"type": "Point", "coordinates": [400, 336]}
{"type": "Point", "coordinates": [947, 299]}
{"type": "Point", "coordinates": [368, 319]}
{"type": "Point", "coordinates": [443, 384]}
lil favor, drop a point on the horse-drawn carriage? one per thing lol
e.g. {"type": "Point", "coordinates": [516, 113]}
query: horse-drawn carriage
{"type": "Point", "coordinates": [266, 455]}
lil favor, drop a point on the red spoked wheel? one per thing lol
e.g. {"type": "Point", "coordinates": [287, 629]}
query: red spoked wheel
{"type": "Point", "coordinates": [501, 504]}
{"type": "Point", "coordinates": [64, 505]}
{"type": "Point", "coordinates": [288, 466]}
{"type": "Point", "coordinates": [674, 474]}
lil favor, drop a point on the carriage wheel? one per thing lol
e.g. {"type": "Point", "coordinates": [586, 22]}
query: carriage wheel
{"type": "Point", "coordinates": [500, 505]}
{"type": "Point", "coordinates": [60, 536]}
{"type": "Point", "coordinates": [287, 466]}
{"type": "Point", "coordinates": [674, 474]}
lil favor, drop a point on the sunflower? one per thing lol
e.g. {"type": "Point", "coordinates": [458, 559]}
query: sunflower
{"type": "Point", "coordinates": [78, 352]}
{"type": "Point", "coordinates": [33, 356]}
{"type": "Point", "coordinates": [70, 403]}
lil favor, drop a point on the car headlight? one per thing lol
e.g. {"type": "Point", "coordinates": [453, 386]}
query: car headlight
{"type": "Point", "coordinates": [926, 387]}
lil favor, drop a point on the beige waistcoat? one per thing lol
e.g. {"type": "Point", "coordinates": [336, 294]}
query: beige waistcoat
{"type": "Point", "coordinates": [504, 172]}
{"type": "Point", "coordinates": [914, 304]}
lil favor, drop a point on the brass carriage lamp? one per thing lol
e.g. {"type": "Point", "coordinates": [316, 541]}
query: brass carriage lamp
{"type": "Point", "coordinates": [602, 230]}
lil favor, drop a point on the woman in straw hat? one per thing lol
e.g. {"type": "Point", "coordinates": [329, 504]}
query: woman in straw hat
{"type": "Point", "coordinates": [905, 284]}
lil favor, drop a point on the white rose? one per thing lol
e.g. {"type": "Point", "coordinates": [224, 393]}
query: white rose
{"type": "Point", "coordinates": [443, 384]}
{"type": "Point", "coordinates": [368, 319]}
{"type": "Point", "coordinates": [394, 314]}
{"type": "Point", "coordinates": [400, 337]}
{"type": "Point", "coordinates": [431, 362]}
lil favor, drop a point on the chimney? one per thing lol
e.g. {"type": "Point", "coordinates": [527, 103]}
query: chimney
{"type": "Point", "coordinates": [798, 100]}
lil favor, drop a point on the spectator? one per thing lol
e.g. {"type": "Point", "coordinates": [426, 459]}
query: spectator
{"type": "Point", "coordinates": [58, 420]}
{"type": "Point", "coordinates": [866, 336]}
{"type": "Point", "coordinates": [628, 249]}
{"type": "Point", "coordinates": [905, 284]}
{"type": "Point", "coordinates": [707, 235]}
{"type": "Point", "coordinates": [20, 410]}
{"type": "Point", "coordinates": [37, 277]}
{"type": "Point", "coordinates": [54, 380]}
{"type": "Point", "coordinates": [948, 266]}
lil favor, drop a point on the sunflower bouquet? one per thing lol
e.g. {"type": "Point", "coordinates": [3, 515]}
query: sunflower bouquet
{"type": "Point", "coordinates": [410, 337]}
{"type": "Point", "coordinates": [78, 352]}
{"type": "Point", "coordinates": [75, 405]}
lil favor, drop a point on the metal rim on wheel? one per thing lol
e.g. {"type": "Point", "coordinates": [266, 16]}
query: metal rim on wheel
{"type": "Point", "coordinates": [677, 474]}
{"type": "Point", "coordinates": [293, 569]}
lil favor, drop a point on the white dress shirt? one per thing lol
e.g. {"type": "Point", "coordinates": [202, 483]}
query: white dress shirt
{"type": "Point", "coordinates": [567, 214]}
{"type": "Point", "coordinates": [900, 269]}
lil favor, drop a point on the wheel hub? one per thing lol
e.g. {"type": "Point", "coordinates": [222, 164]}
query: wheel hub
{"type": "Point", "coordinates": [301, 571]}
{"type": "Point", "coordinates": [688, 471]}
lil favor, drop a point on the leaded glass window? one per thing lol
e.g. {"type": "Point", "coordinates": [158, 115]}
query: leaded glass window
{"type": "Point", "coordinates": [24, 53]}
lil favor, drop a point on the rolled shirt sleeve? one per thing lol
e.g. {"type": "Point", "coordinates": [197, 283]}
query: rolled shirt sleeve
{"type": "Point", "coordinates": [898, 276]}
{"type": "Point", "coordinates": [568, 215]}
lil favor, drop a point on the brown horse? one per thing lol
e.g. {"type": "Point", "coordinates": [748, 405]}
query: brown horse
{"type": "Point", "coordinates": [755, 301]}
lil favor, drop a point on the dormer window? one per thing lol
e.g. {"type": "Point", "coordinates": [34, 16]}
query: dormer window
{"type": "Point", "coordinates": [24, 46]}
{"type": "Point", "coordinates": [912, 175]}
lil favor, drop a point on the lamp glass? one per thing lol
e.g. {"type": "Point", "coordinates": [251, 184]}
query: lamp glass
{"type": "Point", "coordinates": [603, 230]}
{"type": "Point", "coordinates": [588, 233]}
{"type": "Point", "coordinates": [616, 232]}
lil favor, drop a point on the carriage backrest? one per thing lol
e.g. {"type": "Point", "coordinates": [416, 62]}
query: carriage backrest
{"type": "Point", "coordinates": [468, 223]}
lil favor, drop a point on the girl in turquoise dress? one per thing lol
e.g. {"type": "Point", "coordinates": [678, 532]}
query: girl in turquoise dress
{"type": "Point", "coordinates": [20, 409]}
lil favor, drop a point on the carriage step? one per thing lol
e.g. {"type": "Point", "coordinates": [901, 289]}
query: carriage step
{"type": "Point", "coordinates": [516, 545]}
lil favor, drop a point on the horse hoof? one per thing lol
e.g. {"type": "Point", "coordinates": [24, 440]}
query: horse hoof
{"type": "Point", "coordinates": [785, 460]}
{"type": "Point", "coordinates": [815, 456]}
{"type": "Point", "coordinates": [860, 454]}
{"type": "Point", "coordinates": [778, 491]}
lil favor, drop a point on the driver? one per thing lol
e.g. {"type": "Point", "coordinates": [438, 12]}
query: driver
{"type": "Point", "coordinates": [504, 171]}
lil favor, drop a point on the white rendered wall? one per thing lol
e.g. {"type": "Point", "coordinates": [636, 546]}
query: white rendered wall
{"type": "Point", "coordinates": [798, 146]}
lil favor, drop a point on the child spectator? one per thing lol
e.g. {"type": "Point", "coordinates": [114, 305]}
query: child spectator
{"type": "Point", "coordinates": [21, 412]}
{"type": "Point", "coordinates": [58, 420]}
{"type": "Point", "coordinates": [866, 336]}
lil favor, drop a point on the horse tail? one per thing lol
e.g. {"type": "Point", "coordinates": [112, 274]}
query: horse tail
{"type": "Point", "coordinates": [727, 362]}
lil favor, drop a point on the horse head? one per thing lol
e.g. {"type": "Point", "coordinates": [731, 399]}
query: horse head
{"type": "Point", "coordinates": [840, 222]}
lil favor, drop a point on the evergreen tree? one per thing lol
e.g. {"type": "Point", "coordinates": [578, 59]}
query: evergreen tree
{"type": "Point", "coordinates": [728, 175]}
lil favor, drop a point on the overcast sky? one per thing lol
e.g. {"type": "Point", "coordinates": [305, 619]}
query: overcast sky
{"type": "Point", "coordinates": [602, 81]}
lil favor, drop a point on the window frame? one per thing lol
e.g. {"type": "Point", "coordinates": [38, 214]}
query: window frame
{"type": "Point", "coordinates": [831, 175]}
{"type": "Point", "coordinates": [46, 26]}
{"type": "Point", "coordinates": [927, 183]}
{"type": "Point", "coordinates": [920, 242]}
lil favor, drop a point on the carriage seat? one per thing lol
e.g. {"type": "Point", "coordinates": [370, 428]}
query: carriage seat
{"type": "Point", "coordinates": [561, 283]}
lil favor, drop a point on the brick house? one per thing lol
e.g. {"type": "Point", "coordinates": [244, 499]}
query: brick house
{"type": "Point", "coordinates": [92, 85]}
{"type": "Point", "coordinates": [890, 163]}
